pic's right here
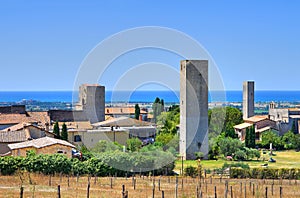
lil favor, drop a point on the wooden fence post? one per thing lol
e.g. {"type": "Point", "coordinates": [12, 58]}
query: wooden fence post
{"type": "Point", "coordinates": [21, 192]}
{"type": "Point", "coordinates": [280, 191]}
{"type": "Point", "coordinates": [58, 191]}
{"type": "Point", "coordinates": [266, 192]}
{"type": "Point", "coordinates": [88, 190]}
{"type": "Point", "coordinates": [245, 190]}
{"type": "Point", "coordinates": [162, 194]}
{"type": "Point", "coordinates": [216, 192]}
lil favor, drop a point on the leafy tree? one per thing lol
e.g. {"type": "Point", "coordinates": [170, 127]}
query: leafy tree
{"type": "Point", "coordinates": [133, 144]}
{"type": "Point", "coordinates": [64, 132]}
{"type": "Point", "coordinates": [289, 140]}
{"type": "Point", "coordinates": [223, 119]}
{"type": "Point", "coordinates": [106, 146]}
{"type": "Point", "coordinates": [56, 130]}
{"type": "Point", "coordinates": [229, 146]}
{"type": "Point", "coordinates": [271, 137]}
{"type": "Point", "coordinates": [137, 111]}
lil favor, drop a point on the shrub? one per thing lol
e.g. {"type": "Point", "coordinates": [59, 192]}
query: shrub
{"type": "Point", "coordinates": [190, 171]}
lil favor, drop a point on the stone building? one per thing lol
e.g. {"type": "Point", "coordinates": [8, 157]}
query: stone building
{"type": "Point", "coordinates": [248, 99]}
{"type": "Point", "coordinates": [45, 145]}
{"type": "Point", "coordinates": [193, 108]}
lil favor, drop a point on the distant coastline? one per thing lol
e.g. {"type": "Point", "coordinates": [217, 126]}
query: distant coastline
{"type": "Point", "coordinates": [147, 96]}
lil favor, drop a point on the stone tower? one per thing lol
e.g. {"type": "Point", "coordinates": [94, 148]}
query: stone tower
{"type": "Point", "coordinates": [92, 102]}
{"type": "Point", "coordinates": [193, 108]}
{"type": "Point", "coordinates": [248, 99]}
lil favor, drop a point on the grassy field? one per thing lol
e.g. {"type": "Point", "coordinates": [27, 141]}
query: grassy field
{"type": "Point", "coordinates": [284, 159]}
{"type": "Point", "coordinates": [35, 185]}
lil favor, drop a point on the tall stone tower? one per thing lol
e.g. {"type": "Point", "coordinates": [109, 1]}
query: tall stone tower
{"type": "Point", "coordinates": [92, 102]}
{"type": "Point", "coordinates": [193, 108]}
{"type": "Point", "coordinates": [248, 99]}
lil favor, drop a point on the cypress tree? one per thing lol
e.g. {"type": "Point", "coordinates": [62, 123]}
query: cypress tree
{"type": "Point", "coordinates": [64, 132]}
{"type": "Point", "coordinates": [56, 130]}
{"type": "Point", "coordinates": [247, 137]}
{"type": "Point", "coordinates": [252, 137]}
{"type": "Point", "coordinates": [137, 111]}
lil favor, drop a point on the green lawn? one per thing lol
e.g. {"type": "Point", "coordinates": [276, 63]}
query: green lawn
{"type": "Point", "coordinates": [284, 159]}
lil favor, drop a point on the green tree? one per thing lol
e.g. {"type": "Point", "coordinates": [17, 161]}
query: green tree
{"type": "Point", "coordinates": [56, 130]}
{"type": "Point", "coordinates": [223, 119]}
{"type": "Point", "coordinates": [137, 111]}
{"type": "Point", "coordinates": [64, 132]}
{"type": "Point", "coordinates": [271, 137]}
{"type": "Point", "coordinates": [229, 146]}
{"type": "Point", "coordinates": [133, 144]}
{"type": "Point", "coordinates": [247, 137]}
{"type": "Point", "coordinates": [158, 107]}
{"type": "Point", "coordinates": [250, 137]}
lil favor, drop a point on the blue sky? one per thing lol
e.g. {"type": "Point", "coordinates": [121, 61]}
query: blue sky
{"type": "Point", "coordinates": [43, 43]}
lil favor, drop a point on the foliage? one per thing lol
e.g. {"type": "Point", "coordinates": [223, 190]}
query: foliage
{"type": "Point", "coordinates": [137, 111]}
{"type": "Point", "coordinates": [238, 164]}
{"type": "Point", "coordinates": [64, 132]}
{"type": "Point", "coordinates": [229, 146]}
{"type": "Point", "coordinates": [240, 155]}
{"type": "Point", "coordinates": [250, 137]}
{"type": "Point", "coordinates": [199, 155]}
{"type": "Point", "coordinates": [100, 164]}
{"type": "Point", "coordinates": [271, 137]}
{"type": "Point", "coordinates": [158, 107]}
{"type": "Point", "coordinates": [133, 144]}
{"type": "Point", "coordinates": [222, 119]}
{"type": "Point", "coordinates": [103, 146]}
{"type": "Point", "coordinates": [190, 171]}
{"type": "Point", "coordinates": [265, 173]}
{"type": "Point", "coordinates": [56, 130]}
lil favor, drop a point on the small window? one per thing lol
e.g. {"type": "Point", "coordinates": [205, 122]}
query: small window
{"type": "Point", "coordinates": [60, 151]}
{"type": "Point", "coordinates": [77, 138]}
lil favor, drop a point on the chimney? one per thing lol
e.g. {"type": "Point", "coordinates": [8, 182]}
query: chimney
{"type": "Point", "coordinates": [141, 117]}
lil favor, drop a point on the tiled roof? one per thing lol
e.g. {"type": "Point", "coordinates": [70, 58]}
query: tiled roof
{"type": "Point", "coordinates": [13, 136]}
{"type": "Point", "coordinates": [17, 127]}
{"type": "Point", "coordinates": [122, 110]}
{"type": "Point", "coordinates": [39, 143]}
{"type": "Point", "coordinates": [15, 118]}
{"type": "Point", "coordinates": [242, 126]}
{"type": "Point", "coordinates": [41, 117]}
{"type": "Point", "coordinates": [256, 118]}
{"type": "Point", "coordinates": [121, 122]}
{"type": "Point", "coordinates": [75, 125]}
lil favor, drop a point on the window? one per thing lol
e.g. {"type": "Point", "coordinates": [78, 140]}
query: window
{"type": "Point", "coordinates": [77, 138]}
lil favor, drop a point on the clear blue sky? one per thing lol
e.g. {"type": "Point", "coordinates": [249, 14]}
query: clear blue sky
{"type": "Point", "coordinates": [42, 43]}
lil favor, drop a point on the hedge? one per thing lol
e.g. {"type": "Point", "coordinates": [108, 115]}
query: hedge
{"type": "Point", "coordinates": [104, 164]}
{"type": "Point", "coordinates": [265, 173]}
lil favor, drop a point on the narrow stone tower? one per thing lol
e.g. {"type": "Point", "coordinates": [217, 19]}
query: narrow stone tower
{"type": "Point", "coordinates": [248, 99]}
{"type": "Point", "coordinates": [193, 108]}
{"type": "Point", "coordinates": [92, 102]}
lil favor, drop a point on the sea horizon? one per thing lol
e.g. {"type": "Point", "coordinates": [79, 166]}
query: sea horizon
{"type": "Point", "coordinates": [148, 96]}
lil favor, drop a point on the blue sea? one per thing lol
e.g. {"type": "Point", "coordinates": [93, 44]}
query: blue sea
{"type": "Point", "coordinates": [147, 96]}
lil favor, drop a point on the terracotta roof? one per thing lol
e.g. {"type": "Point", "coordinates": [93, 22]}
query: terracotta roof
{"type": "Point", "coordinates": [30, 117]}
{"type": "Point", "coordinates": [75, 125]}
{"type": "Point", "coordinates": [242, 126]}
{"type": "Point", "coordinates": [256, 118]}
{"type": "Point", "coordinates": [121, 122]}
{"type": "Point", "coordinates": [17, 127]}
{"type": "Point", "coordinates": [14, 136]}
{"type": "Point", "coordinates": [41, 117]}
{"type": "Point", "coordinates": [39, 143]}
{"type": "Point", "coordinates": [122, 110]}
